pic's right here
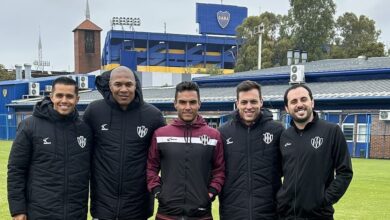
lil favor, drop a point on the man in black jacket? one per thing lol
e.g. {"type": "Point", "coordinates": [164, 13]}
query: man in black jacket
{"type": "Point", "coordinates": [253, 164]}
{"type": "Point", "coordinates": [316, 164]}
{"type": "Point", "coordinates": [49, 163]}
{"type": "Point", "coordinates": [123, 125]}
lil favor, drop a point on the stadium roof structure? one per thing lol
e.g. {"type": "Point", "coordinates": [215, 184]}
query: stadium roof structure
{"type": "Point", "coordinates": [329, 70]}
{"type": "Point", "coordinates": [336, 84]}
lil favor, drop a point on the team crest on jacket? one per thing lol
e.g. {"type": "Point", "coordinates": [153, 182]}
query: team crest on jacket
{"type": "Point", "coordinates": [82, 141]}
{"type": "Point", "coordinates": [204, 139]}
{"type": "Point", "coordinates": [142, 131]}
{"type": "Point", "coordinates": [268, 137]}
{"type": "Point", "coordinates": [316, 142]}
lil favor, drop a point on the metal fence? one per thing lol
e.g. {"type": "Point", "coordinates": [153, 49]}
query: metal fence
{"type": "Point", "coordinates": [7, 126]}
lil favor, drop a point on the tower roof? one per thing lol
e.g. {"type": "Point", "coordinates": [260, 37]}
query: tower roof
{"type": "Point", "coordinates": [88, 25]}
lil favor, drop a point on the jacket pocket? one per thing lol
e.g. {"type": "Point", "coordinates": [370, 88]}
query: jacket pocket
{"type": "Point", "coordinates": [201, 209]}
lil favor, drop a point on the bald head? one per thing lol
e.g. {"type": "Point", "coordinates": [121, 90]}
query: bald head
{"type": "Point", "coordinates": [122, 70]}
{"type": "Point", "coordinates": [122, 86]}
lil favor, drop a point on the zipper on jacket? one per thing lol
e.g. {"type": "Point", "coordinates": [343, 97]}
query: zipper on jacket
{"type": "Point", "coordinates": [185, 167]}
{"type": "Point", "coordinates": [65, 174]}
{"type": "Point", "coordinates": [249, 171]}
{"type": "Point", "coordinates": [295, 192]}
{"type": "Point", "coordinates": [122, 148]}
{"type": "Point", "coordinates": [296, 179]}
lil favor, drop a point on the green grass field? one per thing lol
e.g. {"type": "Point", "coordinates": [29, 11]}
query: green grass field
{"type": "Point", "coordinates": [368, 196]}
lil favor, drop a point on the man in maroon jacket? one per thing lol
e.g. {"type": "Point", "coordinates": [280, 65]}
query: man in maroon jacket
{"type": "Point", "coordinates": [190, 156]}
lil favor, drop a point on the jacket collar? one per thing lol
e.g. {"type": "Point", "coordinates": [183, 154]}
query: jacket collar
{"type": "Point", "coordinates": [308, 125]}
{"type": "Point", "coordinates": [198, 122]}
{"type": "Point", "coordinates": [265, 115]}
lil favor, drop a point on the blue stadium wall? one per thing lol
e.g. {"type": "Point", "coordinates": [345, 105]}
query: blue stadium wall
{"type": "Point", "coordinates": [180, 53]}
{"type": "Point", "coordinates": [176, 53]}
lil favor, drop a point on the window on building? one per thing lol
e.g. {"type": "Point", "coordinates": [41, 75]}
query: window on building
{"type": "Point", "coordinates": [361, 132]}
{"type": "Point", "coordinates": [348, 130]}
{"type": "Point", "coordinates": [89, 42]}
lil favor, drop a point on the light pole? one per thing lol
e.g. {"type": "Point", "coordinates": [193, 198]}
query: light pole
{"type": "Point", "coordinates": [259, 30]}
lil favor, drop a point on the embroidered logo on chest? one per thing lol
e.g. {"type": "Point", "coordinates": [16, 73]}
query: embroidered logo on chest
{"type": "Point", "coordinates": [204, 139]}
{"type": "Point", "coordinates": [268, 137]}
{"type": "Point", "coordinates": [82, 141]}
{"type": "Point", "coordinates": [142, 131]}
{"type": "Point", "coordinates": [316, 142]}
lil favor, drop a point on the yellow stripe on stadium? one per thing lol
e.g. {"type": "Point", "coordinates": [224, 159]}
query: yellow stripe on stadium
{"type": "Point", "coordinates": [180, 70]}
{"type": "Point", "coordinates": [169, 69]}
{"type": "Point", "coordinates": [110, 66]}
{"type": "Point", "coordinates": [173, 51]}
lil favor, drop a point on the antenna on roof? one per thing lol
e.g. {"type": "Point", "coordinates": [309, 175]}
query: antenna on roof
{"type": "Point", "coordinates": [87, 14]}
{"type": "Point", "coordinates": [40, 64]}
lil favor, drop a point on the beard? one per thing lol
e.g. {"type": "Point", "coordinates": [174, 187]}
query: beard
{"type": "Point", "coordinates": [304, 119]}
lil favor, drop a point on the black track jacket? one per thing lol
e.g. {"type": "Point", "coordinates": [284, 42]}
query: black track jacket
{"type": "Point", "coordinates": [49, 166]}
{"type": "Point", "coordinates": [317, 170]}
{"type": "Point", "coordinates": [122, 139]}
{"type": "Point", "coordinates": [253, 168]}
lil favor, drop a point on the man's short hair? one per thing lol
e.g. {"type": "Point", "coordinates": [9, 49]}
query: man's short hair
{"type": "Point", "coordinates": [248, 85]}
{"type": "Point", "coordinates": [65, 81]}
{"type": "Point", "coordinates": [295, 87]}
{"type": "Point", "coordinates": [187, 86]}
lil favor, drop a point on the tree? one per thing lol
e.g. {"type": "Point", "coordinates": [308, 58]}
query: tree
{"type": "Point", "coordinates": [280, 53]}
{"type": "Point", "coordinates": [248, 53]}
{"type": "Point", "coordinates": [358, 36]}
{"type": "Point", "coordinates": [310, 26]}
{"type": "Point", "coordinates": [5, 75]}
{"type": "Point", "coordinates": [313, 26]}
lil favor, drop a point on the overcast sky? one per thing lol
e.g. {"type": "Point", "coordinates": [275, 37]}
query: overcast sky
{"type": "Point", "coordinates": [20, 21]}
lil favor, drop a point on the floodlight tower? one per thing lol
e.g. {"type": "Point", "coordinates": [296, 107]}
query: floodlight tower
{"type": "Point", "coordinates": [125, 21]}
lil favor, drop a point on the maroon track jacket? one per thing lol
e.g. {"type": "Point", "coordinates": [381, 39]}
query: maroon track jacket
{"type": "Point", "coordinates": [190, 157]}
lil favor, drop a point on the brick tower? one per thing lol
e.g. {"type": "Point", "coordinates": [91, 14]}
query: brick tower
{"type": "Point", "coordinates": [87, 46]}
